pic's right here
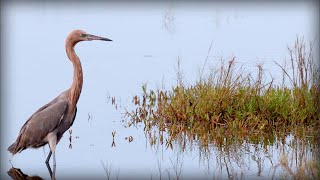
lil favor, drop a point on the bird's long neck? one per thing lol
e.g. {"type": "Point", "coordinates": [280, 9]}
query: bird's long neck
{"type": "Point", "coordinates": [76, 87]}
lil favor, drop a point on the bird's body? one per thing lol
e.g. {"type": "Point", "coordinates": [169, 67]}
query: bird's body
{"type": "Point", "coordinates": [47, 125]}
{"type": "Point", "coordinates": [51, 120]}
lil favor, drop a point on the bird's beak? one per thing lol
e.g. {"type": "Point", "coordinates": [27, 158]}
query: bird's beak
{"type": "Point", "coordinates": [93, 37]}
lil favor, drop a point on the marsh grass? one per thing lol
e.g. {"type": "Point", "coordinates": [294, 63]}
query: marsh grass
{"type": "Point", "coordinates": [231, 103]}
{"type": "Point", "coordinates": [230, 107]}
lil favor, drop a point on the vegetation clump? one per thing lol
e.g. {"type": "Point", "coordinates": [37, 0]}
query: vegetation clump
{"type": "Point", "coordinates": [230, 110]}
{"type": "Point", "coordinates": [231, 103]}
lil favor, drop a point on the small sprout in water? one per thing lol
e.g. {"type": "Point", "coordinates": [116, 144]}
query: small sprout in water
{"type": "Point", "coordinates": [113, 100]}
{"type": "Point", "coordinates": [89, 117]}
{"type": "Point", "coordinates": [70, 139]}
{"type": "Point", "coordinates": [113, 144]}
{"type": "Point", "coordinates": [129, 138]}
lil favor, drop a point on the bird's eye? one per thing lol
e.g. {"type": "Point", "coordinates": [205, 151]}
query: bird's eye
{"type": "Point", "coordinates": [83, 35]}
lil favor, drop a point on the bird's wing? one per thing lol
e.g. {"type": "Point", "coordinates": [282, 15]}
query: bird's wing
{"type": "Point", "coordinates": [43, 121]}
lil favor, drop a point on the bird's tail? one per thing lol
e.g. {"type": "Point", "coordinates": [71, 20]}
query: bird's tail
{"type": "Point", "coordinates": [12, 148]}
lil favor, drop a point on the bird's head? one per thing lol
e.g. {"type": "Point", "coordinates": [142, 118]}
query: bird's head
{"type": "Point", "coordinates": [79, 35]}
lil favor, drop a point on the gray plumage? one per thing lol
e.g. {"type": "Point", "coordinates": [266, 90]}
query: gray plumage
{"type": "Point", "coordinates": [45, 120]}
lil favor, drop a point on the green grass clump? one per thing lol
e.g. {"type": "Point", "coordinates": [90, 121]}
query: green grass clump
{"type": "Point", "coordinates": [231, 103]}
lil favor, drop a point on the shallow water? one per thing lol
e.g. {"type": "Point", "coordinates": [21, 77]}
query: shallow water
{"type": "Point", "coordinates": [148, 40]}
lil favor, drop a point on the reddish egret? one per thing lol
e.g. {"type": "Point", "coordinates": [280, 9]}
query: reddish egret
{"type": "Point", "coordinates": [48, 123]}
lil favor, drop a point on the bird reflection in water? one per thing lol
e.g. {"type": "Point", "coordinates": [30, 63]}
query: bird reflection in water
{"type": "Point", "coordinates": [17, 174]}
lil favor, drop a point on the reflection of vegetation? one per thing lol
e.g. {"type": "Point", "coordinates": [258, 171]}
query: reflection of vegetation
{"type": "Point", "coordinates": [229, 109]}
{"type": "Point", "coordinates": [175, 171]}
{"type": "Point", "coordinates": [107, 170]}
{"type": "Point", "coordinates": [298, 161]}
{"type": "Point", "coordinates": [307, 170]}
{"type": "Point", "coordinates": [168, 20]}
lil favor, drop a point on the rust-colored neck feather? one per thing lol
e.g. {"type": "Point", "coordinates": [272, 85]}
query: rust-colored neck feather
{"type": "Point", "coordinates": [76, 87]}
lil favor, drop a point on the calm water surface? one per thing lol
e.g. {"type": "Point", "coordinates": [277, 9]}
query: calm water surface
{"type": "Point", "coordinates": [148, 40]}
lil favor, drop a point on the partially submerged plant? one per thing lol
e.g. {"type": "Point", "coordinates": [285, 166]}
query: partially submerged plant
{"type": "Point", "coordinates": [229, 107]}
{"type": "Point", "coordinates": [229, 102]}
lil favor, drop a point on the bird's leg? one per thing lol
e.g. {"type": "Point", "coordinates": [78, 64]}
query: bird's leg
{"type": "Point", "coordinates": [49, 156]}
{"type": "Point", "coordinates": [52, 139]}
{"type": "Point", "coordinates": [54, 159]}
{"type": "Point", "coordinates": [49, 169]}
{"type": "Point", "coordinates": [53, 177]}
{"type": "Point", "coordinates": [52, 174]}
{"type": "Point", "coordinates": [10, 160]}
